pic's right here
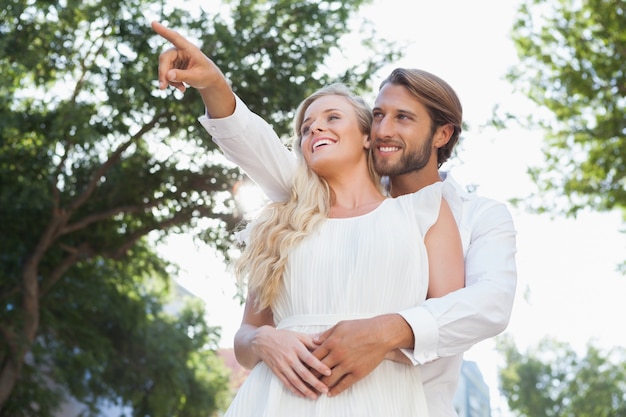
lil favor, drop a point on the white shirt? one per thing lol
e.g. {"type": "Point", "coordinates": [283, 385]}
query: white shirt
{"type": "Point", "coordinates": [443, 327]}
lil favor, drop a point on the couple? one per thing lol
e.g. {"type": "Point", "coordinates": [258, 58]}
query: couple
{"type": "Point", "coordinates": [355, 253]}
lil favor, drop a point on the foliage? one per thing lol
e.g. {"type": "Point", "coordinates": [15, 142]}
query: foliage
{"type": "Point", "coordinates": [552, 380]}
{"type": "Point", "coordinates": [94, 159]}
{"type": "Point", "coordinates": [572, 56]}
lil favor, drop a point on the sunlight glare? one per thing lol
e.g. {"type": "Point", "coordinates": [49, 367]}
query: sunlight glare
{"type": "Point", "coordinates": [249, 197]}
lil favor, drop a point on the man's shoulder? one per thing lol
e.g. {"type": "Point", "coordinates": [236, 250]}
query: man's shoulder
{"type": "Point", "coordinates": [476, 205]}
{"type": "Point", "coordinates": [476, 200]}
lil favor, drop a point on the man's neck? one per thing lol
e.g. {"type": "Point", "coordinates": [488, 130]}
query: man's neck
{"type": "Point", "coordinates": [412, 182]}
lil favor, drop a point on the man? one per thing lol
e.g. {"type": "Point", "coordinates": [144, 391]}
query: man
{"type": "Point", "coordinates": [435, 334]}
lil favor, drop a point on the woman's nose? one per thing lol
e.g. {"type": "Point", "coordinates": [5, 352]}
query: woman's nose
{"type": "Point", "coordinates": [316, 127]}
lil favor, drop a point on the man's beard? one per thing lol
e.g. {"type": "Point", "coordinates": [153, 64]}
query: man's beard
{"type": "Point", "coordinates": [408, 162]}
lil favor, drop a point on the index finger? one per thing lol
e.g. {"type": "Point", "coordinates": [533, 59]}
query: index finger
{"type": "Point", "coordinates": [174, 37]}
{"type": "Point", "coordinates": [315, 364]}
{"type": "Point", "coordinates": [321, 337]}
{"type": "Point", "coordinates": [168, 58]}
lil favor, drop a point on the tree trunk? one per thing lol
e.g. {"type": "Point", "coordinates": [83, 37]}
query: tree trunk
{"type": "Point", "coordinates": [21, 339]}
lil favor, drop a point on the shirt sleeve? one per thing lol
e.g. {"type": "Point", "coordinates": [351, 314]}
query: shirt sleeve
{"type": "Point", "coordinates": [450, 325]}
{"type": "Point", "coordinates": [251, 143]}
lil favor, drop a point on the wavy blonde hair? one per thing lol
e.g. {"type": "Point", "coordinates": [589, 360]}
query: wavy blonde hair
{"type": "Point", "coordinates": [282, 225]}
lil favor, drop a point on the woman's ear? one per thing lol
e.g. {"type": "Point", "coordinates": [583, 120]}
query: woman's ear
{"type": "Point", "coordinates": [366, 141]}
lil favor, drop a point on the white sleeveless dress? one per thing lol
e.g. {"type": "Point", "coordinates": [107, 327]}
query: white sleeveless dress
{"type": "Point", "coordinates": [352, 268]}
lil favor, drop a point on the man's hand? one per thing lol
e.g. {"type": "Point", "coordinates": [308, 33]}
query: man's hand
{"type": "Point", "coordinates": [354, 348]}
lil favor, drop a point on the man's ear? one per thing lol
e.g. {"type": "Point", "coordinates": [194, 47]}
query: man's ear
{"type": "Point", "coordinates": [443, 135]}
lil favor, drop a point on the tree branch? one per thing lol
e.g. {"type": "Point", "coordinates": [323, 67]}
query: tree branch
{"type": "Point", "coordinates": [74, 255]}
{"type": "Point", "coordinates": [87, 220]}
{"type": "Point", "coordinates": [113, 159]}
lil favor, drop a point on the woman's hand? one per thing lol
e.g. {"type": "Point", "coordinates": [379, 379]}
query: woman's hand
{"type": "Point", "coordinates": [185, 65]}
{"type": "Point", "coordinates": [285, 352]}
{"type": "Point", "coordinates": [288, 355]}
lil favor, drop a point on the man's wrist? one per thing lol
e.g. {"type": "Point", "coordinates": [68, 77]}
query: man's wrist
{"type": "Point", "coordinates": [397, 332]}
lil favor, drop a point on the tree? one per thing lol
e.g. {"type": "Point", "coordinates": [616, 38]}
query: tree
{"type": "Point", "coordinates": [572, 56]}
{"type": "Point", "coordinates": [552, 380]}
{"type": "Point", "coordinates": [96, 163]}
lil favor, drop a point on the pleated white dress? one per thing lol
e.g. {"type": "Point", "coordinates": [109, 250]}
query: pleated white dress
{"type": "Point", "coordinates": [356, 267]}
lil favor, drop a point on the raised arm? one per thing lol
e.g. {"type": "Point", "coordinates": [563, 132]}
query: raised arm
{"type": "Point", "coordinates": [250, 142]}
{"type": "Point", "coordinates": [244, 138]}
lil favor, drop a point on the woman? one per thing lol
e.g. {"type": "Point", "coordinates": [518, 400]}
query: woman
{"type": "Point", "coordinates": [337, 249]}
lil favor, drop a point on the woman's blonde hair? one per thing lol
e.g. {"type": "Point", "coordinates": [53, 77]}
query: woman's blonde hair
{"type": "Point", "coordinates": [281, 226]}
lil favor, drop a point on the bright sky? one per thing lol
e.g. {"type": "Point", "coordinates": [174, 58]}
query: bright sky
{"type": "Point", "coordinates": [568, 287]}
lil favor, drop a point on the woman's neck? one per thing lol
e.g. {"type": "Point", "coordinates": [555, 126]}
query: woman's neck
{"type": "Point", "coordinates": [354, 199]}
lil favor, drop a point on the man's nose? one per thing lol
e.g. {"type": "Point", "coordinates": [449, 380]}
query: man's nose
{"type": "Point", "coordinates": [382, 128]}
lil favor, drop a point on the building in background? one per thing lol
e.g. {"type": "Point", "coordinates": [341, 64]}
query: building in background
{"type": "Point", "coordinates": [472, 395]}
{"type": "Point", "coordinates": [238, 373]}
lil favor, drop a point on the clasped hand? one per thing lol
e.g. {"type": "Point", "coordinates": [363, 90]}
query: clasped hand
{"type": "Point", "coordinates": [328, 363]}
